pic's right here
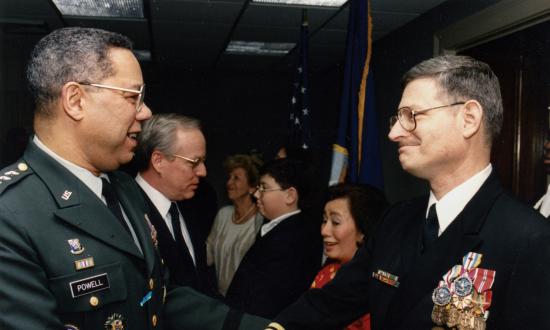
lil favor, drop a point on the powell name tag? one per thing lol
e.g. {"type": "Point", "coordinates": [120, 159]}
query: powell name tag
{"type": "Point", "coordinates": [89, 285]}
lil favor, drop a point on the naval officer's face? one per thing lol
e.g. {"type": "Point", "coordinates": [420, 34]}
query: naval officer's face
{"type": "Point", "coordinates": [112, 122]}
{"type": "Point", "coordinates": [434, 147]}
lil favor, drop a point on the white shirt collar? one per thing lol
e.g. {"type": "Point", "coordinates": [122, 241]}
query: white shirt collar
{"type": "Point", "coordinates": [88, 178]}
{"type": "Point", "coordinates": [159, 200]}
{"type": "Point", "coordinates": [448, 207]}
{"type": "Point", "coordinates": [266, 228]}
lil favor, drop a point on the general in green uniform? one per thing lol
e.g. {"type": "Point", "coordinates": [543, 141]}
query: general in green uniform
{"type": "Point", "coordinates": [66, 260]}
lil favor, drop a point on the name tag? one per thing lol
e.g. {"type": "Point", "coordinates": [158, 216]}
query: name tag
{"type": "Point", "coordinates": [89, 285]}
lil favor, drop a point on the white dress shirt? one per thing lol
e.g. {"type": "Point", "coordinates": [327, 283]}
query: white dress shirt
{"type": "Point", "coordinates": [448, 207]}
{"type": "Point", "coordinates": [543, 205]}
{"type": "Point", "coordinates": [163, 207]}
{"type": "Point", "coordinates": [266, 228]}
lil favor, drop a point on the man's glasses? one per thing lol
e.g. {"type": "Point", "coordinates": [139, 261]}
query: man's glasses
{"type": "Point", "coordinates": [139, 93]}
{"type": "Point", "coordinates": [406, 116]}
{"type": "Point", "coordinates": [193, 162]}
{"type": "Point", "coordinates": [261, 189]}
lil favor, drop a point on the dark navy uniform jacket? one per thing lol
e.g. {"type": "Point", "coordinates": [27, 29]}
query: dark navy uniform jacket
{"type": "Point", "coordinates": [513, 239]}
{"type": "Point", "coordinates": [67, 263]}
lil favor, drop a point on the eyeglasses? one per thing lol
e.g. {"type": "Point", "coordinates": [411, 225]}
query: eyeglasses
{"type": "Point", "coordinates": [140, 93]}
{"type": "Point", "coordinates": [261, 189]}
{"type": "Point", "coordinates": [406, 116]}
{"type": "Point", "coordinates": [193, 162]}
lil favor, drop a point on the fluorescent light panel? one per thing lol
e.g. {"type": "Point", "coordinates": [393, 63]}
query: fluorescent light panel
{"type": "Point", "coordinates": [239, 47]}
{"type": "Point", "coordinates": [302, 3]}
{"type": "Point", "coordinates": [101, 8]}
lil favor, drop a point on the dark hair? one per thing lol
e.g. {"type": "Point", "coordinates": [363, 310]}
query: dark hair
{"type": "Point", "coordinates": [366, 204]}
{"type": "Point", "coordinates": [70, 54]}
{"type": "Point", "coordinates": [288, 173]}
{"type": "Point", "coordinates": [463, 78]}
{"type": "Point", "coordinates": [159, 133]}
{"type": "Point", "coordinates": [249, 163]}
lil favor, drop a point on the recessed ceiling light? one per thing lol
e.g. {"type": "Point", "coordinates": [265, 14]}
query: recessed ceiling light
{"type": "Point", "coordinates": [302, 3]}
{"type": "Point", "coordinates": [101, 8]}
{"type": "Point", "coordinates": [239, 47]}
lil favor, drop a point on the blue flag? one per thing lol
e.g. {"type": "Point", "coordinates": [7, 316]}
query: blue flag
{"type": "Point", "coordinates": [299, 121]}
{"type": "Point", "coordinates": [356, 154]}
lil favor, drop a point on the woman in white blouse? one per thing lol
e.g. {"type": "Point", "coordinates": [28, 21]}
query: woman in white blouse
{"type": "Point", "coordinates": [235, 226]}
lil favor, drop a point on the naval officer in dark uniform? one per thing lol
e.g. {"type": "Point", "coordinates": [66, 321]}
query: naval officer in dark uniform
{"type": "Point", "coordinates": [77, 250]}
{"type": "Point", "coordinates": [468, 255]}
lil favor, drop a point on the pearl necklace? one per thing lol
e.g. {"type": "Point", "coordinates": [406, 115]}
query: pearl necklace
{"type": "Point", "coordinates": [244, 217]}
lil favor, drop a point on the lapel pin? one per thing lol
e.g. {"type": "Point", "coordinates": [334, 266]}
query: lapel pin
{"type": "Point", "coordinates": [76, 247]}
{"type": "Point", "coordinates": [152, 230]}
{"type": "Point", "coordinates": [66, 195]}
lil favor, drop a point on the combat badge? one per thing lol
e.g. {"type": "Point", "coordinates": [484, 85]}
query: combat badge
{"type": "Point", "coordinates": [76, 247]}
{"type": "Point", "coordinates": [115, 322]}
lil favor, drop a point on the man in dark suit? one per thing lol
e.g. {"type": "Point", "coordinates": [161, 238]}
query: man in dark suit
{"type": "Point", "coordinates": [466, 256]}
{"type": "Point", "coordinates": [75, 248]}
{"type": "Point", "coordinates": [171, 152]}
{"type": "Point", "coordinates": [286, 255]}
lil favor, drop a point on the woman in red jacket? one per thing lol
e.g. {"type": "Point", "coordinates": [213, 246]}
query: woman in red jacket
{"type": "Point", "coordinates": [350, 213]}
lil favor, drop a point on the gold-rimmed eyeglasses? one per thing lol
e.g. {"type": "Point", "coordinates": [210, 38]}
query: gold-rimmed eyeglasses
{"type": "Point", "coordinates": [193, 162]}
{"type": "Point", "coordinates": [139, 93]}
{"type": "Point", "coordinates": [406, 116]}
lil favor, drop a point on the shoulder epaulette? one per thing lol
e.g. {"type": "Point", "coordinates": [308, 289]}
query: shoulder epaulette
{"type": "Point", "coordinates": [13, 174]}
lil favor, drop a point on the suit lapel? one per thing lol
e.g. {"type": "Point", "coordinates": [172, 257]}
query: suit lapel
{"type": "Point", "coordinates": [78, 205]}
{"type": "Point", "coordinates": [170, 249]}
{"type": "Point", "coordinates": [461, 237]}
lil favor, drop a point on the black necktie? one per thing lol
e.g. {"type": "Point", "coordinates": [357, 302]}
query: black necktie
{"type": "Point", "coordinates": [112, 203]}
{"type": "Point", "coordinates": [175, 215]}
{"type": "Point", "coordinates": [431, 228]}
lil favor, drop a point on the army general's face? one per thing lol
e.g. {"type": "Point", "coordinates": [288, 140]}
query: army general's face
{"type": "Point", "coordinates": [109, 129]}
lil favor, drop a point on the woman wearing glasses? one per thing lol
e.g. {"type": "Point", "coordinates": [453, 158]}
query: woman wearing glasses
{"type": "Point", "coordinates": [235, 226]}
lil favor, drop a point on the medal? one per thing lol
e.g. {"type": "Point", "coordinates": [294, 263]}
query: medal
{"type": "Point", "coordinates": [463, 286]}
{"type": "Point", "coordinates": [115, 322]}
{"type": "Point", "coordinates": [452, 318]}
{"type": "Point", "coordinates": [466, 320]}
{"type": "Point", "coordinates": [463, 297]}
{"type": "Point", "coordinates": [441, 295]}
{"type": "Point", "coordinates": [479, 323]}
{"type": "Point", "coordinates": [462, 302]}
{"type": "Point", "coordinates": [439, 315]}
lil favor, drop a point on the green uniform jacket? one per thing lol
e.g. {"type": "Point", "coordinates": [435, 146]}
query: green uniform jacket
{"type": "Point", "coordinates": [67, 263]}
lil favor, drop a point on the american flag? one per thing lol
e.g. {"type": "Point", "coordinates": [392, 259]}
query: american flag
{"type": "Point", "coordinates": [299, 121]}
